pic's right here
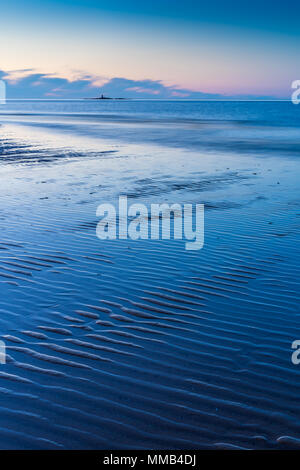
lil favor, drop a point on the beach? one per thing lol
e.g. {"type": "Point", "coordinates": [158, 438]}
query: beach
{"type": "Point", "coordinates": [121, 344]}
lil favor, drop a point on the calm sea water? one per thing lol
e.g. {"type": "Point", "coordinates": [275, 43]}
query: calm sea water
{"type": "Point", "coordinates": [228, 126]}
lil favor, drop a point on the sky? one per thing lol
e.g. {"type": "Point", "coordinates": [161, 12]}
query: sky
{"type": "Point", "coordinates": [157, 49]}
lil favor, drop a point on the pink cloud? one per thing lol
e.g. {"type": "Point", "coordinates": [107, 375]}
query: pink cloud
{"type": "Point", "coordinates": [179, 94]}
{"type": "Point", "coordinates": [143, 90]}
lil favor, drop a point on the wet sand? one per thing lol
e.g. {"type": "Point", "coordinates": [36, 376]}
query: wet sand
{"type": "Point", "coordinates": [141, 344]}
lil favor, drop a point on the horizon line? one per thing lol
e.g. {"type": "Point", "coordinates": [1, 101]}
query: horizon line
{"type": "Point", "coordinates": [153, 99]}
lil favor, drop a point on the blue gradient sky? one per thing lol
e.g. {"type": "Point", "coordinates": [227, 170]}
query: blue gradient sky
{"type": "Point", "coordinates": [214, 47]}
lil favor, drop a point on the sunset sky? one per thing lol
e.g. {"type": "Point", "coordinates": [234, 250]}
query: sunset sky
{"type": "Point", "coordinates": [179, 48]}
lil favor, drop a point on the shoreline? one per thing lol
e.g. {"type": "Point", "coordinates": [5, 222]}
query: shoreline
{"type": "Point", "coordinates": [198, 343]}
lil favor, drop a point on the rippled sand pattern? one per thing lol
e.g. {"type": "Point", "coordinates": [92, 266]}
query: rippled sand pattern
{"type": "Point", "coordinates": [141, 344]}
